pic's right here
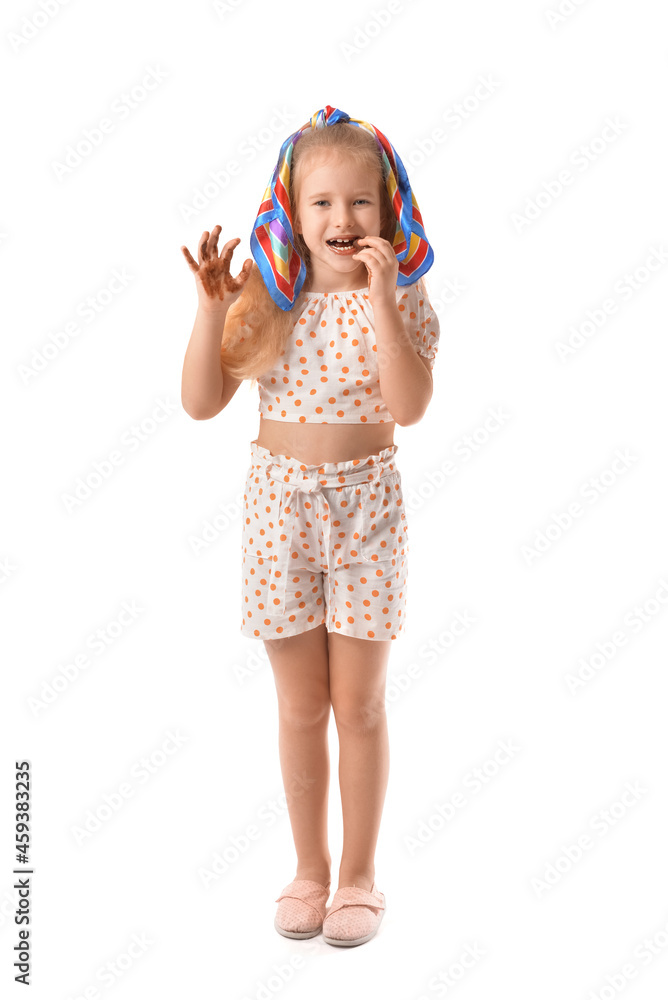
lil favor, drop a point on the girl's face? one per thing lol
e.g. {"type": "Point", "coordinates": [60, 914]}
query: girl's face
{"type": "Point", "coordinates": [336, 199]}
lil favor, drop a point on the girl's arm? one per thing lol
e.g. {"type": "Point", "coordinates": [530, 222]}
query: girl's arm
{"type": "Point", "coordinates": [204, 392]}
{"type": "Point", "coordinates": [404, 373]}
{"type": "Point", "coordinates": [406, 382]}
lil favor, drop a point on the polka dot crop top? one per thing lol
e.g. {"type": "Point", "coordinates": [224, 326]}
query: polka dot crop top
{"type": "Point", "coordinates": [328, 371]}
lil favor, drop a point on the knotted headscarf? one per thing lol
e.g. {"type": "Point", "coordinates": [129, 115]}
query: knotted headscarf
{"type": "Point", "coordinates": [272, 238]}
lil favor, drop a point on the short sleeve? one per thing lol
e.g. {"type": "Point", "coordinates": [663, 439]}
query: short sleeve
{"type": "Point", "coordinates": [420, 320]}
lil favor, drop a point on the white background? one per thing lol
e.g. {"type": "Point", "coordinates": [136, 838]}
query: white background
{"type": "Point", "coordinates": [523, 282]}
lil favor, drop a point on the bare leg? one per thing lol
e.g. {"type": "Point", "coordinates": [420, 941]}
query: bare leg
{"type": "Point", "coordinates": [357, 678]}
{"type": "Point", "coordinates": [301, 674]}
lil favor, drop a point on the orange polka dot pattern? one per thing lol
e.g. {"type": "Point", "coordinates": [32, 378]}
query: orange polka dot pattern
{"type": "Point", "coordinates": [328, 372]}
{"type": "Point", "coordinates": [323, 544]}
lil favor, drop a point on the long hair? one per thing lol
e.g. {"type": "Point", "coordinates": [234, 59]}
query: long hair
{"type": "Point", "coordinates": [256, 329]}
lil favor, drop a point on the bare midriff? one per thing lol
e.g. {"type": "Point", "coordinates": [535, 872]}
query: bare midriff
{"type": "Point", "coordinates": [315, 444]}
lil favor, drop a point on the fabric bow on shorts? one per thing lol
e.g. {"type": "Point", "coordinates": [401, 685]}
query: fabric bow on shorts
{"type": "Point", "coordinates": [272, 237]}
{"type": "Point", "coordinates": [318, 485]}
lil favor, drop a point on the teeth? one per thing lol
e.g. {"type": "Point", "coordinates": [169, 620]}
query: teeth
{"type": "Point", "coordinates": [350, 240]}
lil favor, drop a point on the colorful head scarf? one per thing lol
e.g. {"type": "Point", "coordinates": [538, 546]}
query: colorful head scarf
{"type": "Point", "coordinates": [272, 238]}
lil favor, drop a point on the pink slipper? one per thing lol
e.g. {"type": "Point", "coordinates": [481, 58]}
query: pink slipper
{"type": "Point", "coordinates": [301, 908]}
{"type": "Point", "coordinates": [354, 916]}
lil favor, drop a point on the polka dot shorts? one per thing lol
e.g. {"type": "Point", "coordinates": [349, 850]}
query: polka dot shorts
{"type": "Point", "coordinates": [323, 544]}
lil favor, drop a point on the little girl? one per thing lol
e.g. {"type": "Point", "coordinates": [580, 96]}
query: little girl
{"type": "Point", "coordinates": [334, 322]}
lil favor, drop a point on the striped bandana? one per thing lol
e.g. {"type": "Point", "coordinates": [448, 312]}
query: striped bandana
{"type": "Point", "coordinates": [272, 239]}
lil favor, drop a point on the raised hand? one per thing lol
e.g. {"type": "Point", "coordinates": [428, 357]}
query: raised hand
{"type": "Point", "coordinates": [382, 268]}
{"type": "Point", "coordinates": [215, 284]}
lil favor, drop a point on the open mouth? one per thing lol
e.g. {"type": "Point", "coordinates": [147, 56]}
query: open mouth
{"type": "Point", "coordinates": [347, 245]}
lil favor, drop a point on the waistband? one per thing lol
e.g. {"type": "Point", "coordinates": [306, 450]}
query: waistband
{"type": "Point", "coordinates": [330, 475]}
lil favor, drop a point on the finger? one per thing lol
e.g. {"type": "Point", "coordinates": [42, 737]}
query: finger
{"type": "Point", "coordinates": [381, 247]}
{"type": "Point", "coordinates": [367, 255]}
{"type": "Point", "coordinates": [234, 284]}
{"type": "Point", "coordinates": [386, 253]}
{"type": "Point", "coordinates": [201, 248]}
{"type": "Point", "coordinates": [244, 273]}
{"type": "Point", "coordinates": [227, 251]}
{"type": "Point", "coordinates": [375, 242]}
{"type": "Point", "coordinates": [373, 252]}
{"type": "Point", "coordinates": [189, 257]}
{"type": "Point", "coordinates": [212, 245]}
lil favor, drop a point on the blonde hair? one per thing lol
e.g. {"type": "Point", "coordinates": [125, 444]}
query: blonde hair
{"type": "Point", "coordinates": [256, 329]}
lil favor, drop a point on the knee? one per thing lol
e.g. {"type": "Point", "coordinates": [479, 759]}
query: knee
{"type": "Point", "coordinates": [360, 716]}
{"type": "Point", "coordinates": [304, 713]}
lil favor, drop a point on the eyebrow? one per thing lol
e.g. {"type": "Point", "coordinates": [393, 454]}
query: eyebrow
{"type": "Point", "coordinates": [326, 194]}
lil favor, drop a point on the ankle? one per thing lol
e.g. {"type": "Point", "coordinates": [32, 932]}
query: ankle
{"type": "Point", "coordinates": [317, 873]}
{"type": "Point", "coordinates": [361, 879]}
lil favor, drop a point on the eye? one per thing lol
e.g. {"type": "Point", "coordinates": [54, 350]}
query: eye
{"type": "Point", "coordinates": [323, 201]}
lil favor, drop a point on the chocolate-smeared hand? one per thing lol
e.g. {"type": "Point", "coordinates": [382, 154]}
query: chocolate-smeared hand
{"type": "Point", "coordinates": [215, 284]}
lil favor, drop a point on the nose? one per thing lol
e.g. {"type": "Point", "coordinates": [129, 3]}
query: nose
{"type": "Point", "coordinates": [344, 217]}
